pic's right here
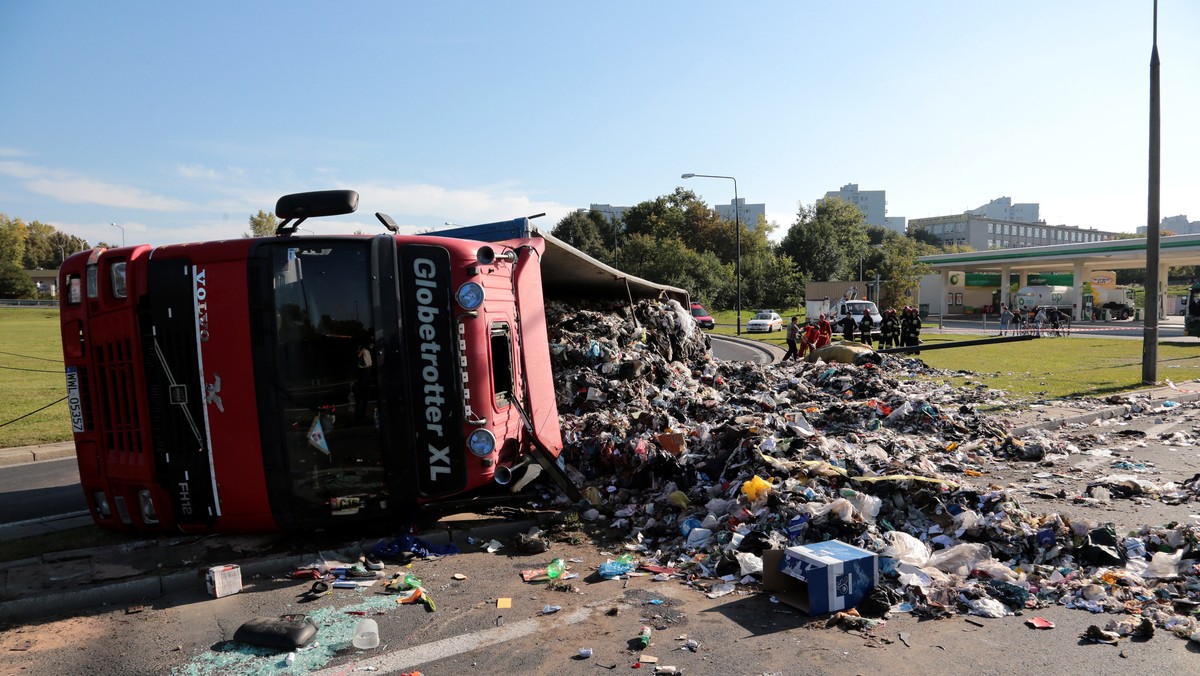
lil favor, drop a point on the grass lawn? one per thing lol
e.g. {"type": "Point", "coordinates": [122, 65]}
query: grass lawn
{"type": "Point", "coordinates": [1044, 368]}
{"type": "Point", "coordinates": [31, 376]}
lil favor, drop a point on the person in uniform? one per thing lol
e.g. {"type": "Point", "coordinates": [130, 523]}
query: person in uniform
{"type": "Point", "coordinates": [865, 326]}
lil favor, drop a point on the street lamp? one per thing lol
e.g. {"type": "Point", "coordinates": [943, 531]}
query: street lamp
{"type": "Point", "coordinates": [737, 221]}
{"type": "Point", "coordinates": [122, 232]}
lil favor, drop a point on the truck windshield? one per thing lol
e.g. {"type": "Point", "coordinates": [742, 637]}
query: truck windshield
{"type": "Point", "coordinates": [325, 377]}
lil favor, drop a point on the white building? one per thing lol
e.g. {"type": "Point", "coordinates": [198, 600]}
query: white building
{"type": "Point", "coordinates": [873, 205]}
{"type": "Point", "coordinates": [1180, 225]}
{"type": "Point", "coordinates": [982, 233]}
{"type": "Point", "coordinates": [748, 213]}
{"type": "Point", "coordinates": [1003, 209]}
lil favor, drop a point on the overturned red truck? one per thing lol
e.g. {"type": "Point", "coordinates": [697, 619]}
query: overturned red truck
{"type": "Point", "coordinates": [285, 382]}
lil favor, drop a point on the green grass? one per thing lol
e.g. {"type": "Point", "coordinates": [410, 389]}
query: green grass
{"type": "Point", "coordinates": [1044, 368]}
{"type": "Point", "coordinates": [1061, 367]}
{"type": "Point", "coordinates": [31, 376]}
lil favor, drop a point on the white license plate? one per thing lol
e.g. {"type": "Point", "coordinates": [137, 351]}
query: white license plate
{"type": "Point", "coordinates": [74, 403]}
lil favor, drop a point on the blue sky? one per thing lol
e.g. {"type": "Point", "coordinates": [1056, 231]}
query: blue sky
{"type": "Point", "coordinates": [178, 120]}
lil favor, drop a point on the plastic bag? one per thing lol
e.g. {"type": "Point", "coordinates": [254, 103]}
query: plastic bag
{"type": "Point", "coordinates": [1163, 564]}
{"type": "Point", "coordinates": [905, 548]}
{"type": "Point", "coordinates": [960, 559]}
{"type": "Point", "coordinates": [755, 488]}
{"type": "Point", "coordinates": [750, 564]}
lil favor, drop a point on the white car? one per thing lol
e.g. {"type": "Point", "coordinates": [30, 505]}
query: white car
{"type": "Point", "coordinates": [765, 322]}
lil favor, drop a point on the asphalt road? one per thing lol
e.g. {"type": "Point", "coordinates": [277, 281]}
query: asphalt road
{"type": "Point", "coordinates": [40, 489]}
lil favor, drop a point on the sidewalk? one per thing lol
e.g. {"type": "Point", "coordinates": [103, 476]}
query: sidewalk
{"type": "Point", "coordinates": [142, 570]}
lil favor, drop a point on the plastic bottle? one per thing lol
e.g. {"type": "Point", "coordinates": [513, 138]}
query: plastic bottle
{"type": "Point", "coordinates": [644, 637]}
{"type": "Point", "coordinates": [290, 659]}
{"type": "Point", "coordinates": [625, 558]}
{"type": "Point", "coordinates": [556, 568]}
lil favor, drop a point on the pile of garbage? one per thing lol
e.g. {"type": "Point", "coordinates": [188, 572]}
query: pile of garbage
{"type": "Point", "coordinates": [701, 465]}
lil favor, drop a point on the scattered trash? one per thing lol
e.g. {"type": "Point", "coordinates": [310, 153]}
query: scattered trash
{"type": "Point", "coordinates": [585, 653]}
{"type": "Point", "coordinates": [550, 610]}
{"type": "Point", "coordinates": [504, 603]}
{"type": "Point", "coordinates": [644, 637]}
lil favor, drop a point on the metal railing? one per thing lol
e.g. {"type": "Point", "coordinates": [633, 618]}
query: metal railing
{"type": "Point", "coordinates": [27, 302]}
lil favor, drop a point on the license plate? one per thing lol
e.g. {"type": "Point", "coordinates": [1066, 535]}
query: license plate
{"type": "Point", "coordinates": [74, 403]}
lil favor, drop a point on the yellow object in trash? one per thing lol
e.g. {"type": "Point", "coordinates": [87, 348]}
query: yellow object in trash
{"type": "Point", "coordinates": [679, 499]}
{"type": "Point", "coordinates": [755, 488]}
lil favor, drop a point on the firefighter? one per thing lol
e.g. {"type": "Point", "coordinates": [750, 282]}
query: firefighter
{"type": "Point", "coordinates": [810, 338]}
{"type": "Point", "coordinates": [825, 331]}
{"type": "Point", "coordinates": [865, 326]}
{"type": "Point", "coordinates": [910, 328]}
{"type": "Point", "coordinates": [889, 328]}
{"type": "Point", "coordinates": [848, 324]}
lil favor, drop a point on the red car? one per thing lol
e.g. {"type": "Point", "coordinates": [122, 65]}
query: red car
{"type": "Point", "coordinates": [702, 317]}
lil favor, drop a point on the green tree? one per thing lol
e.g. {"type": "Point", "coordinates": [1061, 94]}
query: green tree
{"type": "Point", "coordinates": [262, 224]}
{"type": "Point", "coordinates": [591, 232]}
{"type": "Point", "coordinates": [13, 234]}
{"type": "Point", "coordinates": [827, 240]}
{"type": "Point", "coordinates": [670, 261]}
{"type": "Point", "coordinates": [900, 271]}
{"type": "Point", "coordinates": [14, 283]}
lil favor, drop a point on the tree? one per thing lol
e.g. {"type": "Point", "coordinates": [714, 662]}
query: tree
{"type": "Point", "coordinates": [14, 283]}
{"type": "Point", "coordinates": [262, 224]}
{"type": "Point", "coordinates": [827, 240]}
{"type": "Point", "coordinates": [13, 234]}
{"type": "Point", "coordinates": [900, 271]}
{"type": "Point", "coordinates": [591, 232]}
{"type": "Point", "coordinates": [670, 261]}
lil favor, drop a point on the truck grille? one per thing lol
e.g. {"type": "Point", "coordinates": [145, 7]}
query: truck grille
{"type": "Point", "coordinates": [116, 396]}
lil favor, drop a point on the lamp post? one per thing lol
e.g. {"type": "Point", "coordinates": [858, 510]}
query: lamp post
{"type": "Point", "coordinates": [122, 232]}
{"type": "Point", "coordinates": [737, 221]}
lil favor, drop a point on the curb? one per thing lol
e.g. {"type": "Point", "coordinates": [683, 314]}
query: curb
{"type": "Point", "coordinates": [26, 454]}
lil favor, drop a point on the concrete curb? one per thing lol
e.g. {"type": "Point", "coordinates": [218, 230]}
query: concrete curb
{"type": "Point", "coordinates": [21, 455]}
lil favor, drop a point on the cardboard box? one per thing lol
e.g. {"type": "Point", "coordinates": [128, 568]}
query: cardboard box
{"type": "Point", "coordinates": [822, 577]}
{"type": "Point", "coordinates": [224, 580]}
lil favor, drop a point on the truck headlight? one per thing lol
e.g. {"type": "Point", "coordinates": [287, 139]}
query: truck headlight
{"type": "Point", "coordinates": [118, 279]}
{"type": "Point", "coordinates": [470, 296]}
{"type": "Point", "coordinates": [481, 443]}
{"type": "Point", "coordinates": [146, 503]}
{"type": "Point", "coordinates": [93, 282]}
{"type": "Point", "coordinates": [101, 502]}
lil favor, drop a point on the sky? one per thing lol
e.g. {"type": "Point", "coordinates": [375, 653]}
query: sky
{"type": "Point", "coordinates": [179, 120]}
